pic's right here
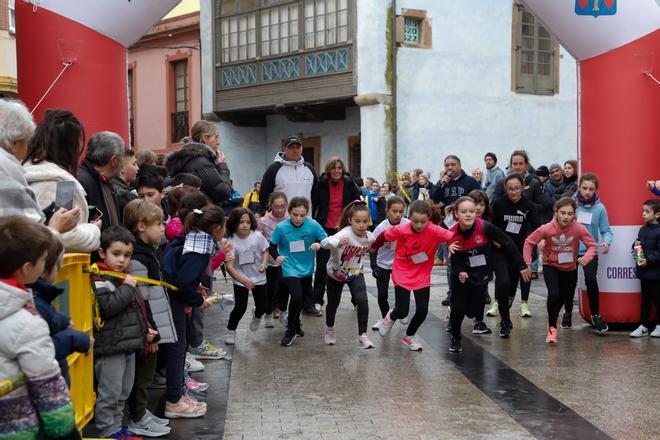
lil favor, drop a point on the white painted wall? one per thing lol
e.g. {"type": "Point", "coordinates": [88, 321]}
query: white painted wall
{"type": "Point", "coordinates": [244, 153]}
{"type": "Point", "coordinates": [456, 98]}
{"type": "Point", "coordinates": [371, 46]}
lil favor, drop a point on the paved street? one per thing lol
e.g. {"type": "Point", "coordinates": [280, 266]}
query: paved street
{"type": "Point", "coordinates": [584, 387]}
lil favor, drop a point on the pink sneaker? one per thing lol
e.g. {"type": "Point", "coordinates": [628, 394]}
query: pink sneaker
{"type": "Point", "coordinates": [186, 407]}
{"type": "Point", "coordinates": [192, 384]}
{"type": "Point", "coordinates": [552, 336]}
{"type": "Point", "coordinates": [365, 342]}
{"type": "Point", "coordinates": [330, 336]}
{"type": "Point", "coordinates": [385, 325]}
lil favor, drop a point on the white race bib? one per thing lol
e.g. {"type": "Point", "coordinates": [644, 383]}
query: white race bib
{"type": "Point", "coordinates": [245, 258]}
{"type": "Point", "coordinates": [513, 227]}
{"type": "Point", "coordinates": [297, 246]}
{"type": "Point", "coordinates": [477, 260]}
{"type": "Point", "coordinates": [420, 258]}
{"type": "Point", "coordinates": [449, 221]}
{"type": "Point", "coordinates": [584, 217]}
{"type": "Point", "coordinates": [565, 257]}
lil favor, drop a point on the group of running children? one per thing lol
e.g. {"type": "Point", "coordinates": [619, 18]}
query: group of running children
{"type": "Point", "coordinates": [278, 250]}
{"type": "Point", "coordinates": [138, 316]}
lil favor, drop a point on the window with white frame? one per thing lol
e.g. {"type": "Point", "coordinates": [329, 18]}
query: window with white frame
{"type": "Point", "coordinates": [239, 38]}
{"type": "Point", "coordinates": [326, 22]}
{"type": "Point", "coordinates": [279, 30]}
{"type": "Point", "coordinates": [12, 17]}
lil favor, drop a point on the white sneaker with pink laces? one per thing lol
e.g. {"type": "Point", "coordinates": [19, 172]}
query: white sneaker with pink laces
{"type": "Point", "coordinates": [365, 342]}
{"type": "Point", "coordinates": [385, 325]}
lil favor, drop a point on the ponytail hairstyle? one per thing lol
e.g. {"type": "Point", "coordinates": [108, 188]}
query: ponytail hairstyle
{"type": "Point", "coordinates": [350, 210]}
{"type": "Point", "coordinates": [204, 220]}
{"type": "Point", "coordinates": [480, 196]}
{"type": "Point", "coordinates": [274, 196]}
{"type": "Point", "coordinates": [459, 202]}
{"type": "Point", "coordinates": [194, 200]}
{"type": "Point", "coordinates": [565, 201]}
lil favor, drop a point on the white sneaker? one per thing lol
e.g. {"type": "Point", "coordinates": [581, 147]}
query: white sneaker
{"type": "Point", "coordinates": [254, 322]}
{"type": "Point", "coordinates": [365, 342]}
{"type": "Point", "coordinates": [192, 364]}
{"type": "Point", "coordinates": [158, 420]}
{"type": "Point", "coordinates": [411, 344]}
{"type": "Point", "coordinates": [640, 332]}
{"type": "Point", "coordinates": [330, 337]}
{"type": "Point", "coordinates": [148, 427]}
{"type": "Point", "coordinates": [404, 321]}
{"type": "Point", "coordinates": [231, 337]}
{"type": "Point", "coordinates": [376, 326]}
{"type": "Point", "coordinates": [284, 319]}
{"type": "Point", "coordinates": [656, 332]}
{"type": "Point", "coordinates": [269, 321]}
{"type": "Point", "coordinates": [385, 325]}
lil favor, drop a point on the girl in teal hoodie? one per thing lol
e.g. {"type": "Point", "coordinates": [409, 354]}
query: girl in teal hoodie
{"type": "Point", "coordinates": [593, 215]}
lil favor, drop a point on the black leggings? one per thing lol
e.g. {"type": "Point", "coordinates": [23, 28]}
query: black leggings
{"type": "Point", "coordinates": [561, 286]}
{"type": "Point", "coordinates": [298, 289]}
{"type": "Point", "coordinates": [593, 293]}
{"type": "Point", "coordinates": [241, 301]}
{"type": "Point", "coordinates": [322, 257]}
{"type": "Point", "coordinates": [358, 289]}
{"type": "Point", "coordinates": [466, 300]}
{"type": "Point", "coordinates": [277, 294]}
{"type": "Point", "coordinates": [502, 289]}
{"type": "Point", "coordinates": [383, 285]}
{"type": "Point", "coordinates": [650, 293]}
{"type": "Point", "coordinates": [402, 306]}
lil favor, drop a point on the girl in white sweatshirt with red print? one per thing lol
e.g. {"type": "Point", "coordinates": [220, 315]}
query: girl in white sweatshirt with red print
{"type": "Point", "coordinates": [560, 257]}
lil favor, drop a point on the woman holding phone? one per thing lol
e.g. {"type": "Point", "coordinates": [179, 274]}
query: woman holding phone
{"type": "Point", "coordinates": [53, 153]}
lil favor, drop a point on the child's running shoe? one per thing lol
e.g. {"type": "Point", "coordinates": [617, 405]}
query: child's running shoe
{"type": "Point", "coordinates": [365, 342]}
{"type": "Point", "coordinates": [640, 332]}
{"type": "Point", "coordinates": [186, 407]}
{"type": "Point", "coordinates": [206, 350]}
{"type": "Point", "coordinates": [385, 325]}
{"type": "Point", "coordinates": [410, 343]}
{"type": "Point", "coordinates": [288, 338]}
{"type": "Point", "coordinates": [524, 311]}
{"type": "Point", "coordinates": [269, 321]}
{"type": "Point", "coordinates": [552, 336]}
{"type": "Point", "coordinates": [505, 329]}
{"type": "Point", "coordinates": [376, 326]}
{"type": "Point", "coordinates": [566, 320]}
{"type": "Point", "coordinates": [330, 337]}
{"type": "Point", "coordinates": [494, 310]}
{"type": "Point", "coordinates": [599, 324]}
{"type": "Point", "coordinates": [455, 346]}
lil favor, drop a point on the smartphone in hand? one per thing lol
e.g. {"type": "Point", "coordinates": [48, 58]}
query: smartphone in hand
{"type": "Point", "coordinates": [64, 194]}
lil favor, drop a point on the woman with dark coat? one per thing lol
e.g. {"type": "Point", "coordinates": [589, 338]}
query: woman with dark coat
{"type": "Point", "coordinates": [336, 191]}
{"type": "Point", "coordinates": [202, 158]}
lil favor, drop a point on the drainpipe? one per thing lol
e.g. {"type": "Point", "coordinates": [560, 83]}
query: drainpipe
{"type": "Point", "coordinates": [390, 110]}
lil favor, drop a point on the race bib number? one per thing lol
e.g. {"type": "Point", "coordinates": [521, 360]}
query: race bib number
{"type": "Point", "coordinates": [245, 258]}
{"type": "Point", "coordinates": [477, 260]}
{"type": "Point", "coordinates": [297, 246]}
{"type": "Point", "coordinates": [513, 227]}
{"type": "Point", "coordinates": [584, 217]}
{"type": "Point", "coordinates": [420, 258]}
{"type": "Point", "coordinates": [565, 257]}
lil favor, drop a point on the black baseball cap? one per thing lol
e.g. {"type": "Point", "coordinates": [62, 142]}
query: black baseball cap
{"type": "Point", "coordinates": [292, 140]}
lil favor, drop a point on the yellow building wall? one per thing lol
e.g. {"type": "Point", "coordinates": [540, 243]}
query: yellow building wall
{"type": "Point", "coordinates": [185, 7]}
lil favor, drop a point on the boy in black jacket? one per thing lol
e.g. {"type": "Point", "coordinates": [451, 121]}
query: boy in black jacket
{"type": "Point", "coordinates": [65, 339]}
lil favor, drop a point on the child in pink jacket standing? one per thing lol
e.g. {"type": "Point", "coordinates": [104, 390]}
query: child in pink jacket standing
{"type": "Point", "coordinates": [560, 257]}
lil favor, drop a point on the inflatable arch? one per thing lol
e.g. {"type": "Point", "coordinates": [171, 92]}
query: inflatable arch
{"type": "Point", "coordinates": [72, 54]}
{"type": "Point", "coordinates": [83, 44]}
{"type": "Point", "coordinates": [617, 48]}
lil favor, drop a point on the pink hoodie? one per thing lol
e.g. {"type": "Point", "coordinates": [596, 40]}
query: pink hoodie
{"type": "Point", "coordinates": [561, 245]}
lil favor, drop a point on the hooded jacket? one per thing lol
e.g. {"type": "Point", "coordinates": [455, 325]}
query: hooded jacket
{"type": "Point", "coordinates": [293, 178]}
{"type": "Point", "coordinates": [145, 262]}
{"type": "Point", "coordinates": [43, 179]}
{"type": "Point", "coordinates": [561, 245]}
{"type": "Point", "coordinates": [66, 340]}
{"type": "Point", "coordinates": [26, 347]}
{"type": "Point", "coordinates": [455, 188]}
{"type": "Point", "coordinates": [200, 160]}
{"type": "Point", "coordinates": [123, 329]}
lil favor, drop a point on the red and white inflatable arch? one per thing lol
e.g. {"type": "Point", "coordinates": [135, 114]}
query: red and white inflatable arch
{"type": "Point", "coordinates": [80, 45]}
{"type": "Point", "coordinates": [617, 46]}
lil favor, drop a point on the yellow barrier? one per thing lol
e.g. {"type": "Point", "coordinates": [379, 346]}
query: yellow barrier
{"type": "Point", "coordinates": [77, 301]}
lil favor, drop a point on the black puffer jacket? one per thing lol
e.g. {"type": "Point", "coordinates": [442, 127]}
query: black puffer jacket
{"type": "Point", "coordinates": [199, 159]}
{"type": "Point", "coordinates": [121, 309]}
{"type": "Point", "coordinates": [351, 193]}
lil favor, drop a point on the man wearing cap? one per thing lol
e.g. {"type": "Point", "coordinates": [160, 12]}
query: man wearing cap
{"type": "Point", "coordinates": [493, 177]}
{"type": "Point", "coordinates": [290, 174]}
